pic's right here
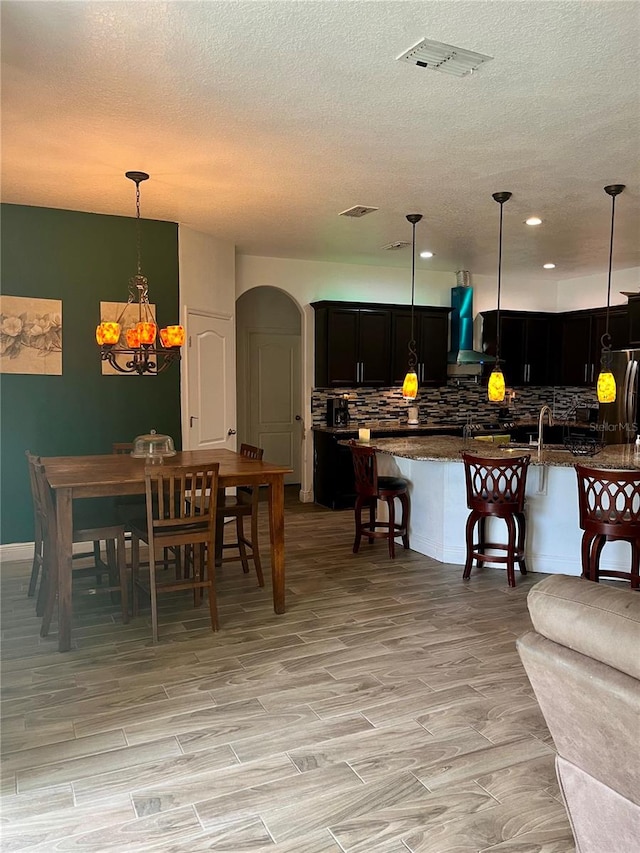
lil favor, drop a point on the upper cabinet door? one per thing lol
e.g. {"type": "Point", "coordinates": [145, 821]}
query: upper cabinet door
{"type": "Point", "coordinates": [400, 337]}
{"type": "Point", "coordinates": [577, 364]}
{"type": "Point", "coordinates": [342, 346]}
{"type": "Point", "coordinates": [434, 341]}
{"type": "Point", "coordinates": [373, 347]}
{"type": "Point", "coordinates": [512, 349]}
{"type": "Point", "coordinates": [538, 361]}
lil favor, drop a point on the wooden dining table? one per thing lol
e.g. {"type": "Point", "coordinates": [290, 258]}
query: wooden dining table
{"type": "Point", "coordinates": [76, 477]}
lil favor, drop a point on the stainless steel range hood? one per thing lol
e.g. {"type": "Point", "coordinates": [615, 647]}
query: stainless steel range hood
{"type": "Point", "coordinates": [462, 359]}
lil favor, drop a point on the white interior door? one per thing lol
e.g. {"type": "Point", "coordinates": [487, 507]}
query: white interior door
{"type": "Point", "coordinates": [274, 399]}
{"type": "Point", "coordinates": [211, 380]}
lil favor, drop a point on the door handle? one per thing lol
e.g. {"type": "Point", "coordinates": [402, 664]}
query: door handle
{"type": "Point", "coordinates": [231, 432]}
{"type": "Point", "coordinates": [298, 418]}
{"type": "Point", "coordinates": [192, 418]}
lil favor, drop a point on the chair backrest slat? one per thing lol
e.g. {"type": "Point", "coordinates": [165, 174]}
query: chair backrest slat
{"type": "Point", "coordinates": [169, 491]}
{"type": "Point", "coordinates": [609, 501]}
{"type": "Point", "coordinates": [365, 469]}
{"type": "Point", "coordinates": [251, 451]}
{"type": "Point", "coordinates": [496, 483]}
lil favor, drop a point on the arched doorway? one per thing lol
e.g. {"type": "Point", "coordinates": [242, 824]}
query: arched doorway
{"type": "Point", "coordinates": [269, 376]}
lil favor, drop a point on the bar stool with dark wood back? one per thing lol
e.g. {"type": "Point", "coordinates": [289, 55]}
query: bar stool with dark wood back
{"type": "Point", "coordinates": [370, 488]}
{"type": "Point", "coordinates": [240, 506]}
{"type": "Point", "coordinates": [495, 488]}
{"type": "Point", "coordinates": [609, 506]}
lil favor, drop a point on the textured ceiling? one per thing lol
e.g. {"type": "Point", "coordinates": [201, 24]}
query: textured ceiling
{"type": "Point", "coordinates": [260, 121]}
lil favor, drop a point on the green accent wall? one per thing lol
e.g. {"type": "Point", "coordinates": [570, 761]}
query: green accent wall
{"type": "Point", "coordinates": [82, 259]}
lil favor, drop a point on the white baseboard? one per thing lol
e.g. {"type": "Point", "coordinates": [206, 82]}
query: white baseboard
{"type": "Point", "coordinates": [306, 496]}
{"type": "Point", "coordinates": [18, 551]}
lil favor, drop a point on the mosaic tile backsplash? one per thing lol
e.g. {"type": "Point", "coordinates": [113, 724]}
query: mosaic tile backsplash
{"type": "Point", "coordinates": [452, 403]}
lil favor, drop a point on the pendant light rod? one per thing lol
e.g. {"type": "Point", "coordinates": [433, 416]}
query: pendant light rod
{"type": "Point", "coordinates": [137, 178]}
{"type": "Point", "coordinates": [613, 190]}
{"type": "Point", "coordinates": [413, 218]}
{"type": "Point", "coordinates": [500, 197]}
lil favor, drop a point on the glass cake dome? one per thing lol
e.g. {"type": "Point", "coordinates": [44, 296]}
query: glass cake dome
{"type": "Point", "coordinates": [153, 447]}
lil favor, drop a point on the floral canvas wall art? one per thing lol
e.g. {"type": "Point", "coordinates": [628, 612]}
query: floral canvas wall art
{"type": "Point", "coordinates": [30, 335]}
{"type": "Point", "coordinates": [113, 311]}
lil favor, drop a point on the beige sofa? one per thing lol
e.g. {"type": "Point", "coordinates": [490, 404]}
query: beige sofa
{"type": "Point", "coordinates": [583, 661]}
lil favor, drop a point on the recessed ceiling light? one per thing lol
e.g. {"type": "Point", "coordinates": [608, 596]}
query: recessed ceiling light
{"type": "Point", "coordinates": [533, 220]}
{"type": "Point", "coordinates": [548, 266]}
{"type": "Point", "coordinates": [426, 254]}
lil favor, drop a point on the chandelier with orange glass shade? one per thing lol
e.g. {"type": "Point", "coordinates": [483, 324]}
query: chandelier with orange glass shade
{"type": "Point", "coordinates": [143, 352]}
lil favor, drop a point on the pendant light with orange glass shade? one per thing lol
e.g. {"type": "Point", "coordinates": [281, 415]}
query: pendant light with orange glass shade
{"type": "Point", "coordinates": [410, 384]}
{"type": "Point", "coordinates": [141, 354]}
{"type": "Point", "coordinates": [606, 386]}
{"type": "Point", "coordinates": [496, 387]}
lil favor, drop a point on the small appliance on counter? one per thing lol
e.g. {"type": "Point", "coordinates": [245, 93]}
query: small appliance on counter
{"type": "Point", "coordinates": [338, 411]}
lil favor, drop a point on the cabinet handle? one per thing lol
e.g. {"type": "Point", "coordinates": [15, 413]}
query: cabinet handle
{"type": "Point", "coordinates": [593, 369]}
{"type": "Point", "coordinates": [585, 372]}
{"type": "Point", "coordinates": [362, 371]}
{"type": "Point", "coordinates": [422, 371]}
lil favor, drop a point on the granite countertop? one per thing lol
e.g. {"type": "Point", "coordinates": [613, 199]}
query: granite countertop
{"type": "Point", "coordinates": [386, 426]}
{"type": "Point", "coordinates": [403, 426]}
{"type": "Point", "coordinates": [448, 448]}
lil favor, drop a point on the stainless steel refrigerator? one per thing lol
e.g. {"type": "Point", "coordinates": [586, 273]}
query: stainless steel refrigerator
{"type": "Point", "coordinates": [619, 421]}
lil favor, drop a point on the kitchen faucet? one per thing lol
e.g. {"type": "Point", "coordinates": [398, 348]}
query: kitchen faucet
{"type": "Point", "coordinates": [544, 410]}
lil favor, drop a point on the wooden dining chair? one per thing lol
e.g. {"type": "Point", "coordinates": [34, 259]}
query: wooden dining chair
{"type": "Point", "coordinates": [244, 504]}
{"type": "Point", "coordinates": [111, 533]}
{"type": "Point", "coordinates": [174, 521]}
{"type": "Point", "coordinates": [101, 566]}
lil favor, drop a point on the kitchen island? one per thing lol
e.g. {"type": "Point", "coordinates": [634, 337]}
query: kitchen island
{"type": "Point", "coordinates": [434, 469]}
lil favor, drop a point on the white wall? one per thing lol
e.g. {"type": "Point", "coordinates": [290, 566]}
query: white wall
{"type": "Point", "coordinates": [207, 272]}
{"type": "Point", "coordinates": [591, 291]}
{"type": "Point", "coordinates": [515, 294]}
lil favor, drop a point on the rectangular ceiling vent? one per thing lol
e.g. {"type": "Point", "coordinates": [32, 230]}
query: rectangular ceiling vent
{"type": "Point", "coordinates": [444, 57]}
{"type": "Point", "coordinates": [399, 244]}
{"type": "Point", "coordinates": [358, 210]}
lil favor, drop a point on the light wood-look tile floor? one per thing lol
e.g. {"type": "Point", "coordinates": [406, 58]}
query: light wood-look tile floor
{"type": "Point", "coordinates": [386, 711]}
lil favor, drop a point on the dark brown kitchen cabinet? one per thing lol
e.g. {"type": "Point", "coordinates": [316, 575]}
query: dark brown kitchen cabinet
{"type": "Point", "coordinates": [352, 345]}
{"type": "Point", "coordinates": [431, 330]}
{"type": "Point", "coordinates": [526, 340]}
{"type": "Point", "coordinates": [633, 326]}
{"type": "Point", "coordinates": [581, 342]}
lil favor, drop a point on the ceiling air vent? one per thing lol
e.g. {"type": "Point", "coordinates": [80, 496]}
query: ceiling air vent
{"type": "Point", "coordinates": [398, 244]}
{"type": "Point", "coordinates": [444, 57]}
{"type": "Point", "coordinates": [358, 210]}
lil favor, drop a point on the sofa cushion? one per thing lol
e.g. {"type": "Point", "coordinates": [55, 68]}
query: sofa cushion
{"type": "Point", "coordinates": [598, 621]}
